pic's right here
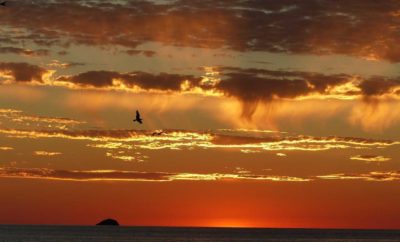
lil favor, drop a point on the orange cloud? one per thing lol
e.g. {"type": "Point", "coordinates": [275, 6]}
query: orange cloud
{"type": "Point", "coordinates": [375, 115]}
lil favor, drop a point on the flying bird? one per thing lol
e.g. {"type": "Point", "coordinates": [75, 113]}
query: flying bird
{"type": "Point", "coordinates": [3, 3]}
{"type": "Point", "coordinates": [138, 118]}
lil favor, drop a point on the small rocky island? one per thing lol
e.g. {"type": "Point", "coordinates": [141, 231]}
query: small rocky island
{"type": "Point", "coordinates": [109, 221]}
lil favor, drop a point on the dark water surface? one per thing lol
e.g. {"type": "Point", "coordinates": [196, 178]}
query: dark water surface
{"type": "Point", "coordinates": [30, 233]}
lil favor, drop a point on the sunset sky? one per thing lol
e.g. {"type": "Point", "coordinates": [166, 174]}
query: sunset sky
{"type": "Point", "coordinates": [257, 113]}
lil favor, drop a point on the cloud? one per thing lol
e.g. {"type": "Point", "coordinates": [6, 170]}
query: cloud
{"type": "Point", "coordinates": [361, 28]}
{"type": "Point", "coordinates": [371, 176]}
{"type": "Point", "coordinates": [123, 154]}
{"type": "Point", "coordinates": [248, 85]}
{"type": "Point", "coordinates": [128, 81]}
{"type": "Point", "coordinates": [180, 139]}
{"type": "Point", "coordinates": [46, 153]}
{"type": "Point", "coordinates": [21, 51]}
{"type": "Point", "coordinates": [6, 148]}
{"type": "Point", "coordinates": [17, 117]}
{"type": "Point", "coordinates": [114, 175]}
{"type": "Point", "coordinates": [147, 53]}
{"type": "Point", "coordinates": [22, 72]}
{"type": "Point", "coordinates": [375, 114]}
{"type": "Point", "coordinates": [370, 158]}
{"type": "Point", "coordinates": [138, 176]}
{"type": "Point", "coordinates": [63, 65]}
{"type": "Point", "coordinates": [253, 88]}
{"type": "Point", "coordinates": [92, 175]}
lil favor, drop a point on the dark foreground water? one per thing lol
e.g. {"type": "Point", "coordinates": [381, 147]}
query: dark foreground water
{"type": "Point", "coordinates": [14, 233]}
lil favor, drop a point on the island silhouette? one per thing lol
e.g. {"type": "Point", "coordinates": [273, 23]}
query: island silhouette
{"type": "Point", "coordinates": [108, 221]}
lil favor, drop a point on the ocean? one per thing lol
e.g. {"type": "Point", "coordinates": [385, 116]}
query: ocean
{"type": "Point", "coordinates": [36, 233]}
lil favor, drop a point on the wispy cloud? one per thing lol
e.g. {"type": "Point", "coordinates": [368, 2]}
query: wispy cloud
{"type": "Point", "coordinates": [20, 118]}
{"type": "Point", "coordinates": [6, 148]}
{"type": "Point", "coordinates": [371, 176]}
{"type": "Point", "coordinates": [114, 175]}
{"type": "Point", "coordinates": [370, 158]}
{"type": "Point", "coordinates": [180, 139]}
{"type": "Point", "coordinates": [63, 65]}
{"type": "Point", "coordinates": [46, 153]}
{"type": "Point", "coordinates": [132, 176]}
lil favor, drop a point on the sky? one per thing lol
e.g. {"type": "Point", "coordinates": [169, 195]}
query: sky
{"type": "Point", "coordinates": [255, 113]}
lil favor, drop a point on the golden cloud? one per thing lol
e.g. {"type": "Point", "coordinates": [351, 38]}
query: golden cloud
{"type": "Point", "coordinates": [46, 153]}
{"type": "Point", "coordinates": [370, 158]}
{"type": "Point", "coordinates": [179, 139]}
{"type": "Point", "coordinates": [114, 175]}
{"type": "Point", "coordinates": [18, 117]}
{"type": "Point", "coordinates": [371, 176]}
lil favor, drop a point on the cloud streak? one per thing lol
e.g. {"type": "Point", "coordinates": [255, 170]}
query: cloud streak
{"type": "Point", "coordinates": [20, 118]}
{"type": "Point", "coordinates": [139, 176]}
{"type": "Point", "coordinates": [370, 158]}
{"type": "Point", "coordinates": [371, 176]}
{"type": "Point", "coordinates": [46, 153]}
{"type": "Point", "coordinates": [132, 176]}
{"type": "Point", "coordinates": [176, 139]}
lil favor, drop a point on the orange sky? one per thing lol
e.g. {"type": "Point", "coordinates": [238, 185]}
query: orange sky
{"type": "Point", "coordinates": [256, 114]}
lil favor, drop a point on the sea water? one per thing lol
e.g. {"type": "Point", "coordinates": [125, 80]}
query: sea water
{"type": "Point", "coordinates": [34, 233]}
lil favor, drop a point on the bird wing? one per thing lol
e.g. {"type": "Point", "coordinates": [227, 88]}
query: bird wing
{"type": "Point", "coordinates": [137, 114]}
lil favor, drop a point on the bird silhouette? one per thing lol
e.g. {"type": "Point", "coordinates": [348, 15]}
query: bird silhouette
{"type": "Point", "coordinates": [138, 118]}
{"type": "Point", "coordinates": [3, 3]}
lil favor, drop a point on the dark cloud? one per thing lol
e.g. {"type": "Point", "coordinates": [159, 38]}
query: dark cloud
{"type": "Point", "coordinates": [162, 81]}
{"type": "Point", "coordinates": [251, 86]}
{"type": "Point", "coordinates": [256, 84]}
{"type": "Point", "coordinates": [147, 53]}
{"type": "Point", "coordinates": [21, 51]}
{"type": "Point", "coordinates": [363, 28]}
{"type": "Point", "coordinates": [23, 72]}
{"type": "Point", "coordinates": [376, 86]}
{"type": "Point", "coordinates": [62, 52]}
